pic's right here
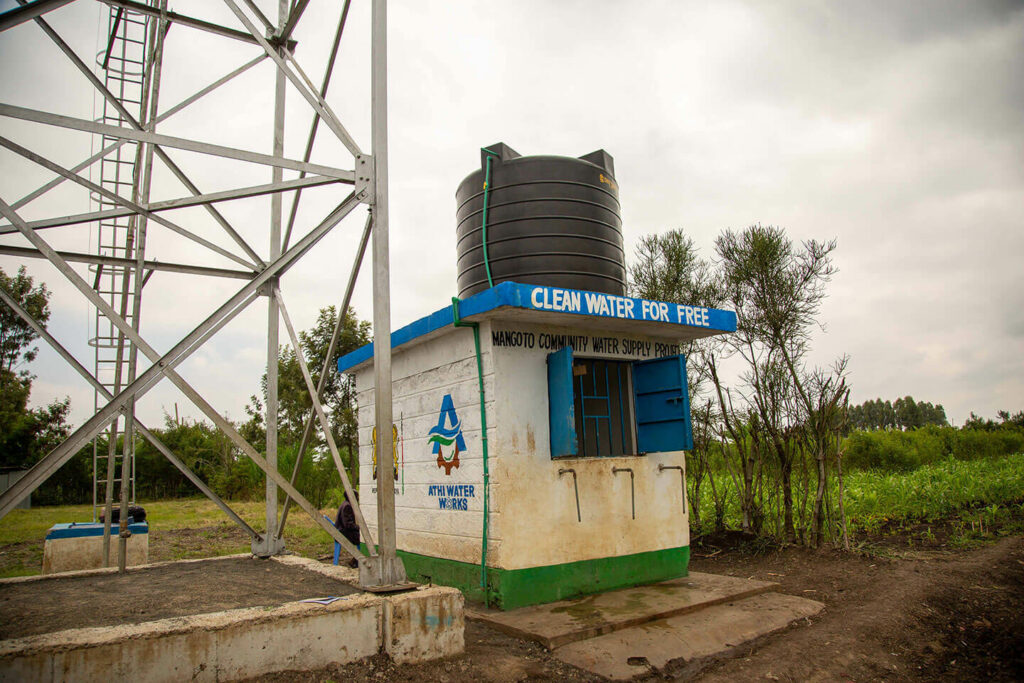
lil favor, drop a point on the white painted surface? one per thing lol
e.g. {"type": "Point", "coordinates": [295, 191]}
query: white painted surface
{"type": "Point", "coordinates": [541, 526]}
{"type": "Point", "coordinates": [533, 518]}
{"type": "Point", "coordinates": [423, 374]}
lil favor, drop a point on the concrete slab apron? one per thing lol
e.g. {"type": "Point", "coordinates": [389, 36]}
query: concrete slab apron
{"type": "Point", "coordinates": [643, 649]}
{"type": "Point", "coordinates": [215, 646]}
{"type": "Point", "coordinates": [419, 625]}
{"type": "Point", "coordinates": [558, 623]}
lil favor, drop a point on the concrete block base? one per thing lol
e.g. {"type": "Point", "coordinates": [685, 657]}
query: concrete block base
{"type": "Point", "coordinates": [424, 624]}
{"type": "Point", "coordinates": [74, 547]}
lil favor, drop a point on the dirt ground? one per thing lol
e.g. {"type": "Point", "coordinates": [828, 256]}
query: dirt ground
{"type": "Point", "coordinates": [166, 545]}
{"type": "Point", "coordinates": [902, 613]}
{"type": "Point", "coordinates": [172, 590]}
{"type": "Point", "coordinates": [919, 615]}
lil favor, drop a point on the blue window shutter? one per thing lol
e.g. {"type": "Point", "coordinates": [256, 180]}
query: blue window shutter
{"type": "Point", "coordinates": [561, 413]}
{"type": "Point", "coordinates": [662, 405]}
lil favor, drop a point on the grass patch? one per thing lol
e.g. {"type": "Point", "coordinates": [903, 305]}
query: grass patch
{"type": "Point", "coordinates": [975, 490]}
{"type": "Point", "coordinates": [14, 573]}
{"type": "Point", "coordinates": [950, 502]}
{"type": "Point", "coordinates": [179, 529]}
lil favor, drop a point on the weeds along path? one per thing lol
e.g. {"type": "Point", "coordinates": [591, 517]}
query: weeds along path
{"type": "Point", "coordinates": [921, 615]}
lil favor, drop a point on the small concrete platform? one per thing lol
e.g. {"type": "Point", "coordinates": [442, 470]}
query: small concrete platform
{"type": "Point", "coordinates": [78, 546]}
{"type": "Point", "coordinates": [648, 648]}
{"type": "Point", "coordinates": [638, 631]}
{"type": "Point", "coordinates": [567, 621]}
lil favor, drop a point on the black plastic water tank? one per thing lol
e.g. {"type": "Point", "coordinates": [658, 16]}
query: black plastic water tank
{"type": "Point", "coordinates": [551, 220]}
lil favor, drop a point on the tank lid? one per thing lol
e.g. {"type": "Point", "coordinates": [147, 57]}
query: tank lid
{"type": "Point", "coordinates": [503, 152]}
{"type": "Point", "coordinates": [599, 158]}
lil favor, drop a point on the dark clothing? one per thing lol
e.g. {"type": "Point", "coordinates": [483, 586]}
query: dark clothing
{"type": "Point", "coordinates": [346, 523]}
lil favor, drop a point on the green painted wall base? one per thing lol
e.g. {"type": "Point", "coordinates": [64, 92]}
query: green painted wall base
{"type": "Point", "coordinates": [512, 588]}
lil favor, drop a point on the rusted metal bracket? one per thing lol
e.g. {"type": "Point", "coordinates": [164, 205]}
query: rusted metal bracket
{"type": "Point", "coordinates": [576, 488]}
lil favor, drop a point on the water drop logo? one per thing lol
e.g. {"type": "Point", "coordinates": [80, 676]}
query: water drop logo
{"type": "Point", "coordinates": [447, 435]}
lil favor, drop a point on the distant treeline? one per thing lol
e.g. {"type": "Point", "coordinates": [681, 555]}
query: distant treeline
{"type": "Point", "coordinates": [905, 435]}
{"type": "Point", "coordinates": [903, 413]}
{"type": "Point", "coordinates": [210, 454]}
{"type": "Point", "coordinates": [27, 434]}
{"type": "Point", "coordinates": [207, 452]}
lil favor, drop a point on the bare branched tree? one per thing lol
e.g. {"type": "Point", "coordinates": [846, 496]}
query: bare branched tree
{"type": "Point", "coordinates": [777, 289]}
{"type": "Point", "coordinates": [776, 432]}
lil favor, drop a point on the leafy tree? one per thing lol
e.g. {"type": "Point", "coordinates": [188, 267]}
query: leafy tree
{"type": "Point", "coordinates": [203, 448]}
{"type": "Point", "coordinates": [979, 423]}
{"type": "Point", "coordinates": [667, 267]}
{"type": "Point", "coordinates": [294, 404]}
{"type": "Point", "coordinates": [26, 434]}
{"type": "Point", "coordinates": [1006, 420]}
{"type": "Point", "coordinates": [1015, 420]}
{"type": "Point", "coordinates": [905, 413]}
{"type": "Point", "coordinates": [16, 336]}
{"type": "Point", "coordinates": [886, 415]}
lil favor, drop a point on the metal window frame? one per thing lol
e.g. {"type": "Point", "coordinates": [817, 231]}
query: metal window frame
{"type": "Point", "coordinates": [627, 407]}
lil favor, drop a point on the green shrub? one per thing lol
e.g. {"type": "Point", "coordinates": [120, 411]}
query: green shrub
{"type": "Point", "coordinates": [892, 451]}
{"type": "Point", "coordinates": [973, 444]}
{"type": "Point", "coordinates": [899, 451]}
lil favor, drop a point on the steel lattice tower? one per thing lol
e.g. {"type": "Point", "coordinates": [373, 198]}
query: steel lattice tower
{"type": "Point", "coordinates": [129, 148]}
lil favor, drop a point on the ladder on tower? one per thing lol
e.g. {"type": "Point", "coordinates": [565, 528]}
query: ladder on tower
{"type": "Point", "coordinates": [122, 66]}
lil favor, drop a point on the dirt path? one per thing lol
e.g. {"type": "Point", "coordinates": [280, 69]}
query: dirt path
{"type": "Point", "coordinates": [929, 615]}
{"type": "Point", "coordinates": [934, 615]}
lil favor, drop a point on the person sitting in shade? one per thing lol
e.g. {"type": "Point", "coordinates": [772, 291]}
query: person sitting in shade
{"type": "Point", "coordinates": [346, 524]}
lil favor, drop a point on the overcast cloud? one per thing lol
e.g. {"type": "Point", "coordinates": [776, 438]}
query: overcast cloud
{"type": "Point", "coordinates": [895, 128]}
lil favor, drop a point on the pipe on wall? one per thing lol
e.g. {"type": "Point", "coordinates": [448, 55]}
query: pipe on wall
{"type": "Point", "coordinates": [458, 322]}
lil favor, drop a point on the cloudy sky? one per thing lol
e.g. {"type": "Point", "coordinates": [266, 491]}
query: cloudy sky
{"type": "Point", "coordinates": [895, 128]}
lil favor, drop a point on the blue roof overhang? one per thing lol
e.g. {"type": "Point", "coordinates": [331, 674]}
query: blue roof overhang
{"type": "Point", "coordinates": [557, 306]}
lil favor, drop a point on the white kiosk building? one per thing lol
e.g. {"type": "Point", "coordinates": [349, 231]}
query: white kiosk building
{"type": "Point", "coordinates": [538, 441]}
